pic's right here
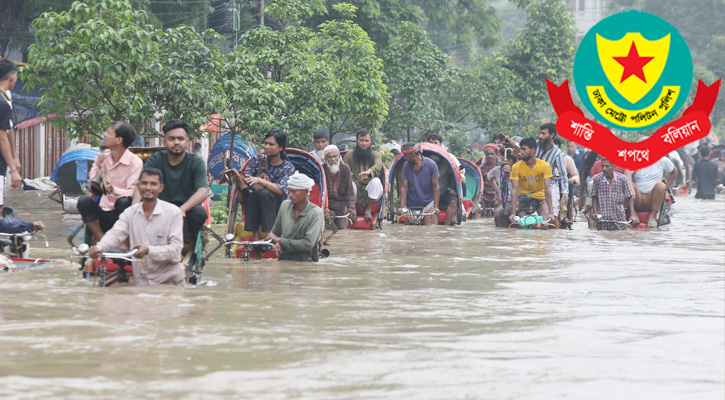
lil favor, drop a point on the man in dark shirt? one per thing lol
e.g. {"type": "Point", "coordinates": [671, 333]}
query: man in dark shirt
{"type": "Point", "coordinates": [185, 183]}
{"type": "Point", "coordinates": [8, 156]}
{"type": "Point", "coordinates": [705, 174]}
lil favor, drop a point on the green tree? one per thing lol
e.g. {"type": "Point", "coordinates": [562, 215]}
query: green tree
{"type": "Point", "coordinates": [93, 63]}
{"type": "Point", "coordinates": [414, 71]}
{"type": "Point", "coordinates": [102, 62]}
{"type": "Point", "coordinates": [185, 76]}
{"type": "Point", "coordinates": [479, 98]}
{"type": "Point", "coordinates": [543, 50]}
{"type": "Point", "coordinates": [286, 57]}
{"type": "Point", "coordinates": [252, 103]}
{"type": "Point", "coordinates": [456, 26]}
{"type": "Point", "coordinates": [360, 98]}
{"type": "Point", "coordinates": [173, 13]}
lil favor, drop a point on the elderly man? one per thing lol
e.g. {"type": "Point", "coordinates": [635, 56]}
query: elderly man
{"type": "Point", "coordinates": [320, 141]}
{"type": "Point", "coordinates": [156, 228]}
{"type": "Point", "coordinates": [365, 164]}
{"type": "Point", "coordinates": [340, 191]}
{"type": "Point", "coordinates": [299, 223]}
{"type": "Point", "coordinates": [609, 191]}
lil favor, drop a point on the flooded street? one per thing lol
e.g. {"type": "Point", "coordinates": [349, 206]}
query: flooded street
{"type": "Point", "coordinates": [468, 312]}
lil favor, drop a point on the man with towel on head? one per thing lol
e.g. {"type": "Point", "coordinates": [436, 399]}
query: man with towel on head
{"type": "Point", "coordinates": [299, 223]}
{"type": "Point", "coordinates": [490, 162]}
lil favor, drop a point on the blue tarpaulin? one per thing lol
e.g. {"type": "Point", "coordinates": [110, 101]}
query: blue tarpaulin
{"type": "Point", "coordinates": [243, 151]}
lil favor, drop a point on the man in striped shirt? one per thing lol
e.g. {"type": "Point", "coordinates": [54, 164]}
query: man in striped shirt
{"type": "Point", "coordinates": [546, 151]}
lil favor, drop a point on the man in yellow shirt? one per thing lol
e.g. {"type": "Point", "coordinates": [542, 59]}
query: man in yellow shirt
{"type": "Point", "coordinates": [530, 180]}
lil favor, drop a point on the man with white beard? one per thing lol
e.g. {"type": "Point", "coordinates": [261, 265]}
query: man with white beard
{"type": "Point", "coordinates": [340, 192]}
{"type": "Point", "coordinates": [320, 141]}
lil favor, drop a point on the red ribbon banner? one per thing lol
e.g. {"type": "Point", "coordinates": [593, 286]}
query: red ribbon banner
{"type": "Point", "coordinates": [573, 125]}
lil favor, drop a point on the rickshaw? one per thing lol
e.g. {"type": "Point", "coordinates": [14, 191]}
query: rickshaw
{"type": "Point", "coordinates": [239, 242]}
{"type": "Point", "coordinates": [396, 169]}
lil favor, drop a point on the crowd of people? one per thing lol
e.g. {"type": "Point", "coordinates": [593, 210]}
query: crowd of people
{"type": "Point", "coordinates": [157, 206]}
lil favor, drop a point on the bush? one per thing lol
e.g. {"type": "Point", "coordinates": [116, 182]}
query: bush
{"type": "Point", "coordinates": [219, 210]}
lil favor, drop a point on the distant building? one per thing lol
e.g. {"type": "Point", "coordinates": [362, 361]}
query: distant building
{"type": "Point", "coordinates": [587, 13]}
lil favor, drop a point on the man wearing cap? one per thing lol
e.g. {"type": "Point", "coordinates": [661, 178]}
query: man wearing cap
{"type": "Point", "coordinates": [299, 223]}
{"type": "Point", "coordinates": [320, 141]}
{"type": "Point", "coordinates": [340, 192]}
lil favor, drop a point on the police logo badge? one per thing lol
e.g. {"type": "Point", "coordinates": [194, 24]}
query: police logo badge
{"type": "Point", "coordinates": [630, 70]}
{"type": "Point", "coordinates": [633, 71]}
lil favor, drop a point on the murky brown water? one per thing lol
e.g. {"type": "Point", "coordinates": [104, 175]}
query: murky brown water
{"type": "Point", "coordinates": [406, 312]}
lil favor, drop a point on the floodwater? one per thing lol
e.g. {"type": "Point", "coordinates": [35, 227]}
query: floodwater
{"type": "Point", "coordinates": [469, 312]}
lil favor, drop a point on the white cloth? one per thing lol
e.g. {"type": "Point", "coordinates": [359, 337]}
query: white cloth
{"type": "Point", "coordinates": [329, 149]}
{"type": "Point", "coordinates": [374, 189]}
{"type": "Point", "coordinates": [675, 156]}
{"type": "Point", "coordinates": [300, 181]}
{"type": "Point", "coordinates": [646, 178]}
{"type": "Point", "coordinates": [317, 156]}
{"type": "Point", "coordinates": [10, 103]}
{"type": "Point", "coordinates": [555, 197]}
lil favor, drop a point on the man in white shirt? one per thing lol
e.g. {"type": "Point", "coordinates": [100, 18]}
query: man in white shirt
{"type": "Point", "coordinates": [153, 226]}
{"type": "Point", "coordinates": [649, 190]}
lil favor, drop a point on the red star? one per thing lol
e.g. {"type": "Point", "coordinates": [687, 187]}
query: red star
{"type": "Point", "coordinates": [633, 64]}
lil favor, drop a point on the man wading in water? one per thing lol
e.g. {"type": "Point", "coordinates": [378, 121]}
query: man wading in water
{"type": "Point", "coordinates": [298, 227]}
{"type": "Point", "coordinates": [420, 184]}
{"type": "Point", "coordinates": [531, 183]}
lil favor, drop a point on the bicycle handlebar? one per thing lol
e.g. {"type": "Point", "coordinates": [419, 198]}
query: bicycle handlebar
{"type": "Point", "coordinates": [27, 235]}
{"type": "Point", "coordinates": [82, 250]}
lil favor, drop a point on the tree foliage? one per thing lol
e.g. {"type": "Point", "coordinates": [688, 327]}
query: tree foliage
{"type": "Point", "coordinates": [102, 62]}
{"type": "Point", "coordinates": [92, 63]}
{"type": "Point", "coordinates": [415, 70]}
{"type": "Point", "coordinates": [360, 98]}
{"type": "Point", "coordinates": [456, 26]}
{"type": "Point", "coordinates": [186, 75]}
{"type": "Point", "coordinates": [543, 50]}
{"type": "Point", "coordinates": [107, 60]}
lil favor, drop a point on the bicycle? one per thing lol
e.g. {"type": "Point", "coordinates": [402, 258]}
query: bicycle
{"type": "Point", "coordinates": [107, 273]}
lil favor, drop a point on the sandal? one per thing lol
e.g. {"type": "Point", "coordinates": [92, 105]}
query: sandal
{"type": "Point", "coordinates": [652, 223]}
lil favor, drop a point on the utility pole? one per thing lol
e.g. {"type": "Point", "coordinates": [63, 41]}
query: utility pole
{"type": "Point", "coordinates": [235, 23]}
{"type": "Point", "coordinates": [261, 12]}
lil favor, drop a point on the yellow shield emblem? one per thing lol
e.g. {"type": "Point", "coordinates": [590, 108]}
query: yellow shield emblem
{"type": "Point", "coordinates": [633, 64]}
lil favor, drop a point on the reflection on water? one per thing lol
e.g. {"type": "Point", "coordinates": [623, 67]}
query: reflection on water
{"type": "Point", "coordinates": [406, 312]}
